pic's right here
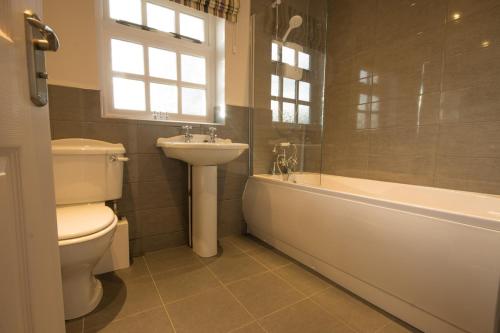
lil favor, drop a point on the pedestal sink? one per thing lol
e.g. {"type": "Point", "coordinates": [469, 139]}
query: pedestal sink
{"type": "Point", "coordinates": [203, 156]}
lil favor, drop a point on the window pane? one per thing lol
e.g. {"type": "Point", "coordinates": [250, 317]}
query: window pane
{"type": "Point", "coordinates": [304, 114]}
{"type": "Point", "coordinates": [275, 52]}
{"type": "Point", "coordinates": [275, 85]}
{"type": "Point", "coordinates": [160, 18]}
{"type": "Point", "coordinates": [162, 64]}
{"type": "Point", "coordinates": [128, 94]}
{"type": "Point", "coordinates": [193, 69]}
{"type": "Point", "coordinates": [275, 108]}
{"type": "Point", "coordinates": [127, 57]}
{"type": "Point", "coordinates": [304, 60]}
{"type": "Point", "coordinates": [289, 88]}
{"type": "Point", "coordinates": [304, 91]}
{"type": "Point", "coordinates": [194, 102]}
{"type": "Point", "coordinates": [288, 112]}
{"type": "Point", "coordinates": [191, 26]}
{"type": "Point", "coordinates": [127, 10]}
{"type": "Point", "coordinates": [163, 98]}
{"type": "Point", "coordinates": [288, 55]}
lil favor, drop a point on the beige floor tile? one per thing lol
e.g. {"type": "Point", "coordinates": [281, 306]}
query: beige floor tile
{"type": "Point", "coordinates": [167, 259]}
{"type": "Point", "coordinates": [302, 317]}
{"type": "Point", "coordinates": [270, 258]}
{"type": "Point", "coordinates": [153, 321]}
{"type": "Point", "coordinates": [136, 270]}
{"type": "Point", "coordinates": [357, 314]}
{"type": "Point", "coordinates": [121, 299]}
{"type": "Point", "coordinates": [74, 326]}
{"type": "Point", "coordinates": [264, 293]}
{"type": "Point", "coordinates": [246, 243]}
{"type": "Point", "coordinates": [231, 268]}
{"type": "Point", "coordinates": [215, 310]}
{"type": "Point", "coordinates": [394, 327]}
{"type": "Point", "coordinates": [250, 328]}
{"type": "Point", "coordinates": [184, 281]}
{"type": "Point", "coordinates": [226, 247]}
{"type": "Point", "coordinates": [302, 279]}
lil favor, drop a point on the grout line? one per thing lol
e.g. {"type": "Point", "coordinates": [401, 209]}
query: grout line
{"type": "Point", "coordinates": [161, 298]}
{"type": "Point", "coordinates": [234, 297]}
{"type": "Point", "coordinates": [244, 325]}
{"type": "Point", "coordinates": [381, 328]}
{"type": "Point", "coordinates": [310, 297]}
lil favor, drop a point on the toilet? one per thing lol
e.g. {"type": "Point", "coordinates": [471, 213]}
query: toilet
{"type": "Point", "coordinates": [86, 174]}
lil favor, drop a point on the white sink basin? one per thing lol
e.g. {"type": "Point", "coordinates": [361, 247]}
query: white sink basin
{"type": "Point", "coordinates": [203, 156]}
{"type": "Point", "coordinates": [199, 151]}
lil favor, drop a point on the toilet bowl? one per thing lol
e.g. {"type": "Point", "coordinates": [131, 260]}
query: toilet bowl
{"type": "Point", "coordinates": [85, 232]}
{"type": "Point", "coordinates": [86, 174]}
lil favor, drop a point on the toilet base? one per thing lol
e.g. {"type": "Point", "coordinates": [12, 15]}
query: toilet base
{"type": "Point", "coordinates": [81, 296]}
{"type": "Point", "coordinates": [81, 290]}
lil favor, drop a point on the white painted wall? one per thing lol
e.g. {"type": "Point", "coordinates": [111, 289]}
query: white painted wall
{"type": "Point", "coordinates": [76, 64]}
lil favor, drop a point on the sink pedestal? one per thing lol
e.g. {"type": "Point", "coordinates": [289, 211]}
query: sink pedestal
{"type": "Point", "coordinates": [204, 203]}
{"type": "Point", "coordinates": [203, 155]}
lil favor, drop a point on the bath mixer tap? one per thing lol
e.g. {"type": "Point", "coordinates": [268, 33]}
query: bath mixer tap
{"type": "Point", "coordinates": [187, 134]}
{"type": "Point", "coordinates": [283, 163]}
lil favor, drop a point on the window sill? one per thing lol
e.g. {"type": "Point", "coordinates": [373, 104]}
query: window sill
{"type": "Point", "coordinates": [163, 121]}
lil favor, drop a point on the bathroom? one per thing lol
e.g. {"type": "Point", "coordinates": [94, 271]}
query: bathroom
{"type": "Point", "coordinates": [250, 166]}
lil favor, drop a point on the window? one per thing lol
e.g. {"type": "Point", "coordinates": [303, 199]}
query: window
{"type": "Point", "coordinates": [159, 61]}
{"type": "Point", "coordinates": [290, 96]}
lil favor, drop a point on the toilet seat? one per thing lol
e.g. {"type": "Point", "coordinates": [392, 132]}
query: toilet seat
{"type": "Point", "coordinates": [80, 221]}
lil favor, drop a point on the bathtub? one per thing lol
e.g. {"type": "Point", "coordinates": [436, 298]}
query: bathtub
{"type": "Point", "coordinates": [429, 256]}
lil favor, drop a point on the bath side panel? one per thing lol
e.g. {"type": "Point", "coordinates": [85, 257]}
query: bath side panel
{"type": "Point", "coordinates": [440, 266]}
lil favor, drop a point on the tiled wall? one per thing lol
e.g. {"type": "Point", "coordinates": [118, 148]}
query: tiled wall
{"type": "Point", "coordinates": [413, 92]}
{"type": "Point", "coordinates": [311, 36]}
{"type": "Point", "coordinates": [155, 187]}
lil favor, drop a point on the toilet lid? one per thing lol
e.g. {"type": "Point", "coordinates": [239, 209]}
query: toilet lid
{"type": "Point", "coordinates": [82, 220]}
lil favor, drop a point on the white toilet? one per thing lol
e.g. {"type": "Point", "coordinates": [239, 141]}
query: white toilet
{"type": "Point", "coordinates": [86, 173]}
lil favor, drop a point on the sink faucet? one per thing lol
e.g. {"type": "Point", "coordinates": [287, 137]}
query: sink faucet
{"type": "Point", "coordinates": [212, 132]}
{"type": "Point", "coordinates": [187, 135]}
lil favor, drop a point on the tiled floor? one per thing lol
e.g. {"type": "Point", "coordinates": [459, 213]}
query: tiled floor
{"type": "Point", "coordinates": [248, 288]}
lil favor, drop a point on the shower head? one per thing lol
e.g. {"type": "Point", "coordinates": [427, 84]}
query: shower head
{"type": "Point", "coordinates": [295, 22]}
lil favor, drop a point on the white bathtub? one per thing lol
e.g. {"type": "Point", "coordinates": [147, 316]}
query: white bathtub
{"type": "Point", "coordinates": [428, 256]}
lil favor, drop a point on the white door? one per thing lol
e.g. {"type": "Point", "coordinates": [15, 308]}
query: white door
{"type": "Point", "coordinates": [30, 280]}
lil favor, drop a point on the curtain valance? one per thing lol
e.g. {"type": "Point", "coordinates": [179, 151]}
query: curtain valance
{"type": "Point", "coordinates": [227, 9]}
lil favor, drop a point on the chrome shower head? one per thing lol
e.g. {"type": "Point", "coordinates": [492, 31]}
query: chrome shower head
{"type": "Point", "coordinates": [295, 22]}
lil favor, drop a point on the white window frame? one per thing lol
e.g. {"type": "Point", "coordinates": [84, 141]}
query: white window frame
{"type": "Point", "coordinates": [110, 29]}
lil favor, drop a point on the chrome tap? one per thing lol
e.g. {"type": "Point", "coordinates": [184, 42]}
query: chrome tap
{"type": "Point", "coordinates": [212, 132]}
{"type": "Point", "coordinates": [187, 134]}
{"type": "Point", "coordinates": [283, 163]}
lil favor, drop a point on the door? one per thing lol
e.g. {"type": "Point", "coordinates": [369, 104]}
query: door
{"type": "Point", "coordinates": [30, 279]}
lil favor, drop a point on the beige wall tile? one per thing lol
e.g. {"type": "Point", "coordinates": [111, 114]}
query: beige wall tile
{"type": "Point", "coordinates": [466, 7]}
{"type": "Point", "coordinates": [471, 140]}
{"type": "Point", "coordinates": [472, 174]}
{"type": "Point", "coordinates": [433, 116]}
{"type": "Point", "coordinates": [472, 104]}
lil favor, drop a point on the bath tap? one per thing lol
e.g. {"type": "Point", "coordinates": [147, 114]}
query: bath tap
{"type": "Point", "coordinates": [285, 164]}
